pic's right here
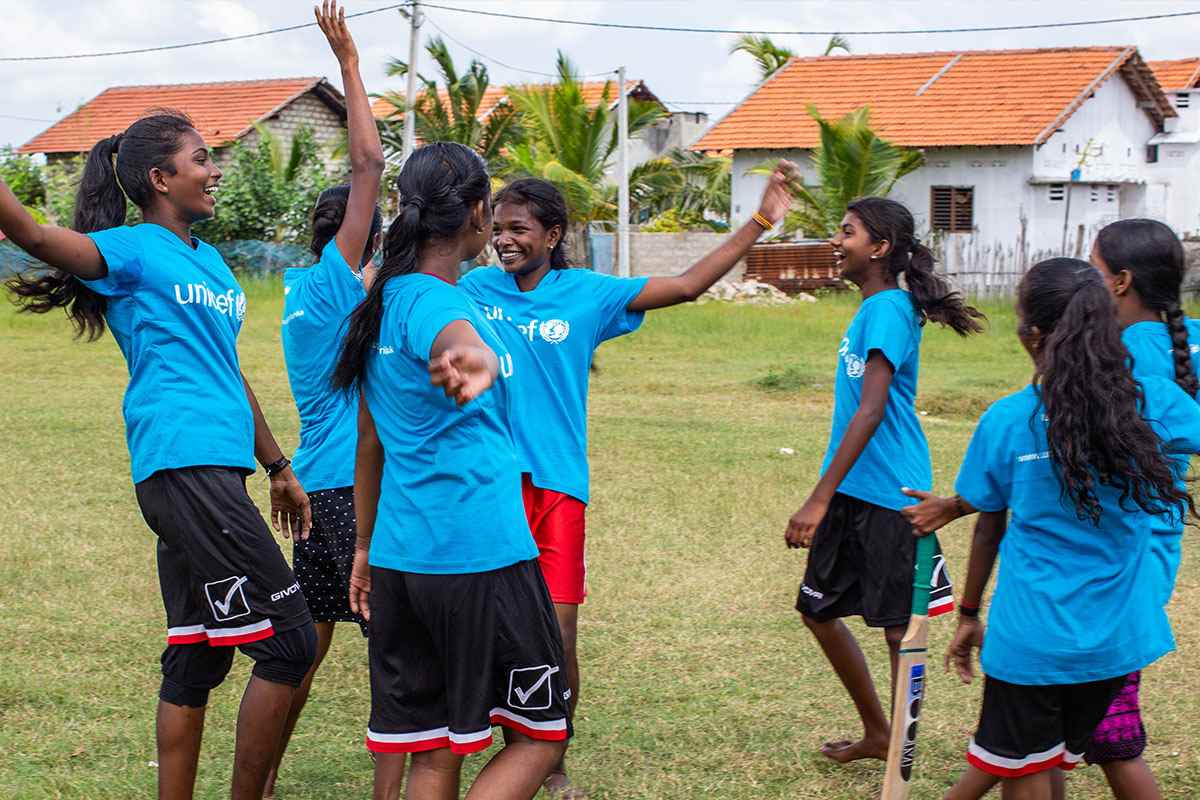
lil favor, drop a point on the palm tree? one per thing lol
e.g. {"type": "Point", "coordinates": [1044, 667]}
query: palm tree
{"type": "Point", "coordinates": [850, 162]}
{"type": "Point", "coordinates": [572, 144]}
{"type": "Point", "coordinates": [771, 57]}
{"type": "Point", "coordinates": [451, 113]}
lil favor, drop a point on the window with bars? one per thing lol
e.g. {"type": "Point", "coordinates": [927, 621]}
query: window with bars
{"type": "Point", "coordinates": [1058, 192]}
{"type": "Point", "coordinates": [952, 208]}
{"type": "Point", "coordinates": [1183, 100]}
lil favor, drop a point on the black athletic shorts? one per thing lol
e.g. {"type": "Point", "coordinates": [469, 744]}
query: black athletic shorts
{"type": "Point", "coordinates": [861, 564]}
{"type": "Point", "coordinates": [323, 561]}
{"type": "Point", "coordinates": [223, 577]}
{"type": "Point", "coordinates": [1028, 729]}
{"type": "Point", "coordinates": [453, 655]}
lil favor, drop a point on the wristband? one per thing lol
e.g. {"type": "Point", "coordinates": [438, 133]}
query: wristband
{"type": "Point", "coordinates": [762, 221]}
{"type": "Point", "coordinates": [971, 612]}
{"type": "Point", "coordinates": [959, 507]}
{"type": "Point", "coordinates": [275, 467]}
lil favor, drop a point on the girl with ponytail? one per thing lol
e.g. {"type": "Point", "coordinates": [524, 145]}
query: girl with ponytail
{"type": "Point", "coordinates": [1142, 263]}
{"type": "Point", "coordinates": [862, 557]}
{"type": "Point", "coordinates": [463, 635]}
{"type": "Point", "coordinates": [552, 318]}
{"type": "Point", "coordinates": [317, 301]}
{"type": "Point", "coordinates": [1082, 459]}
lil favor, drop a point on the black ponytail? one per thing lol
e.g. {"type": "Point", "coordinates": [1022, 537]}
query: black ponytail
{"type": "Point", "coordinates": [438, 186]}
{"type": "Point", "coordinates": [116, 167]}
{"type": "Point", "coordinates": [327, 218]}
{"type": "Point", "coordinates": [935, 299]}
{"type": "Point", "coordinates": [1095, 429]}
{"type": "Point", "coordinates": [547, 205]}
{"type": "Point", "coordinates": [1153, 255]}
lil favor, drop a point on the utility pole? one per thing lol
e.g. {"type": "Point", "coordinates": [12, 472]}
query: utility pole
{"type": "Point", "coordinates": [622, 175]}
{"type": "Point", "coordinates": [414, 43]}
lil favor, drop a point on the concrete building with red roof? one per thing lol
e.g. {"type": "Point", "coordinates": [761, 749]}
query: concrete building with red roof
{"type": "Point", "coordinates": [1027, 152]}
{"type": "Point", "coordinates": [1179, 144]}
{"type": "Point", "coordinates": [224, 112]}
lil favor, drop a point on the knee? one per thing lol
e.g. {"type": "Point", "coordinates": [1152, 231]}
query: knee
{"type": "Point", "coordinates": [191, 671]}
{"type": "Point", "coordinates": [285, 657]}
{"type": "Point", "coordinates": [894, 637]}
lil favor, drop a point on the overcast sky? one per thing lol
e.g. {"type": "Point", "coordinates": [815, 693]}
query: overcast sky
{"type": "Point", "coordinates": [683, 69]}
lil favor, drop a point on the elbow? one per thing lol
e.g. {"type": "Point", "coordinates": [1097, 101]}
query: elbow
{"type": "Point", "coordinates": [871, 416]}
{"type": "Point", "coordinates": [372, 163]}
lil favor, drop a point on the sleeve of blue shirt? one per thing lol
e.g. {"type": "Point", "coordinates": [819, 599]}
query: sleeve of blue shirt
{"type": "Point", "coordinates": [1173, 414]}
{"type": "Point", "coordinates": [888, 327]}
{"type": "Point", "coordinates": [432, 310]}
{"type": "Point", "coordinates": [613, 296]}
{"type": "Point", "coordinates": [121, 249]}
{"type": "Point", "coordinates": [332, 279]}
{"type": "Point", "coordinates": [985, 477]}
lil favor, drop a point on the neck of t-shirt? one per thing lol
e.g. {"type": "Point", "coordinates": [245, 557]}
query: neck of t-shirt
{"type": "Point", "coordinates": [439, 277]}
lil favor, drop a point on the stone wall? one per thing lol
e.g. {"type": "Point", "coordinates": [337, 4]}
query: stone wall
{"type": "Point", "coordinates": [672, 253]}
{"type": "Point", "coordinates": [1191, 253]}
{"type": "Point", "coordinates": [306, 111]}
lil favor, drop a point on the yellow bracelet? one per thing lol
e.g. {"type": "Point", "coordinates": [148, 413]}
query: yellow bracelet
{"type": "Point", "coordinates": [762, 221]}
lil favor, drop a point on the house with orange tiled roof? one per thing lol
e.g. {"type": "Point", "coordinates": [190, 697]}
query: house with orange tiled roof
{"type": "Point", "coordinates": [224, 112]}
{"type": "Point", "coordinates": [675, 130]}
{"type": "Point", "coordinates": [1179, 144]}
{"type": "Point", "coordinates": [1027, 152]}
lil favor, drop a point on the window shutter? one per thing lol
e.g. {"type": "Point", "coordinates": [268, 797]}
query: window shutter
{"type": "Point", "coordinates": [952, 208]}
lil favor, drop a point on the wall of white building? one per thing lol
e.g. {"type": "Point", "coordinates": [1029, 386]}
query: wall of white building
{"type": "Point", "coordinates": [1179, 164]}
{"type": "Point", "coordinates": [1021, 193]}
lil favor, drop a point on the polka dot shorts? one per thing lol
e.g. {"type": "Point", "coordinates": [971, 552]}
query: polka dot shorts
{"type": "Point", "coordinates": [322, 562]}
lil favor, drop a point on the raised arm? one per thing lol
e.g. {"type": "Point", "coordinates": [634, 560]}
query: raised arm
{"type": "Point", "coordinates": [461, 363]}
{"type": "Point", "coordinates": [368, 475]}
{"type": "Point", "coordinates": [366, 153]}
{"type": "Point", "coordinates": [695, 281]}
{"type": "Point", "coordinates": [63, 248]}
{"type": "Point", "coordinates": [877, 380]}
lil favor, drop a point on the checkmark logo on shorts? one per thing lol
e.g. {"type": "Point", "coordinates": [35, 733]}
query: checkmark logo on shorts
{"type": "Point", "coordinates": [529, 687]}
{"type": "Point", "coordinates": [226, 598]}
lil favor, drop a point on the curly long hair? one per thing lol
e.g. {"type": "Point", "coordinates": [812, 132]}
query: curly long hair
{"type": "Point", "coordinates": [1092, 403]}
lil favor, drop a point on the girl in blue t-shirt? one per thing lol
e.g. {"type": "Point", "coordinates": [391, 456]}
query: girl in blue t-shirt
{"type": "Point", "coordinates": [552, 318]}
{"type": "Point", "coordinates": [1082, 459]}
{"type": "Point", "coordinates": [346, 224]}
{"type": "Point", "coordinates": [193, 425]}
{"type": "Point", "coordinates": [1142, 262]}
{"type": "Point", "coordinates": [463, 634]}
{"type": "Point", "coordinates": [861, 561]}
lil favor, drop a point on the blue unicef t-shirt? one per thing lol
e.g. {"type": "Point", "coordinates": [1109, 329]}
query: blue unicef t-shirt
{"type": "Point", "coordinates": [175, 312]}
{"type": "Point", "coordinates": [316, 302]}
{"type": "Point", "coordinates": [450, 500]}
{"type": "Point", "coordinates": [897, 454]}
{"type": "Point", "coordinates": [1150, 345]}
{"type": "Point", "coordinates": [1067, 606]}
{"type": "Point", "coordinates": [552, 333]}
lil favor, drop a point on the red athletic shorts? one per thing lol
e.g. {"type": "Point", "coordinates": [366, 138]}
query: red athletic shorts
{"type": "Point", "coordinates": [557, 523]}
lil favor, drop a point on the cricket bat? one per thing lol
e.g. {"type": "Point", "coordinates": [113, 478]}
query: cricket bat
{"type": "Point", "coordinates": [910, 680]}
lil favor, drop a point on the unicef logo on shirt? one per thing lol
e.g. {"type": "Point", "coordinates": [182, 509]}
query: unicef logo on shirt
{"type": "Point", "coordinates": [554, 331]}
{"type": "Point", "coordinates": [855, 366]}
{"type": "Point", "coordinates": [240, 307]}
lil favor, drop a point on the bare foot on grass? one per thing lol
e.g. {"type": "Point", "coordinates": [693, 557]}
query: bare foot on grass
{"type": "Point", "coordinates": [845, 751]}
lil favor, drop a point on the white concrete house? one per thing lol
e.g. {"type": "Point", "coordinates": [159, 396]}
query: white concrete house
{"type": "Point", "coordinates": [1178, 146]}
{"type": "Point", "coordinates": [1002, 132]}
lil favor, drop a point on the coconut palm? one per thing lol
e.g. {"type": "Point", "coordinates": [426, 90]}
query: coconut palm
{"type": "Point", "coordinates": [572, 144]}
{"type": "Point", "coordinates": [771, 57]}
{"type": "Point", "coordinates": [451, 112]}
{"type": "Point", "coordinates": [850, 162]}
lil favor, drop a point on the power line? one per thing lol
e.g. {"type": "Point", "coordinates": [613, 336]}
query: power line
{"type": "Point", "coordinates": [486, 57]}
{"type": "Point", "coordinates": [25, 119]}
{"type": "Point", "coordinates": [199, 43]}
{"type": "Point", "coordinates": [902, 32]}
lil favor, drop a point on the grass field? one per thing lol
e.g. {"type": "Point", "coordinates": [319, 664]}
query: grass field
{"type": "Point", "coordinates": [699, 679]}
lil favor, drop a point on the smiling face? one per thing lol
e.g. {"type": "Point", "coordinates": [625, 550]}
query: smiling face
{"type": "Point", "coordinates": [854, 252]}
{"type": "Point", "coordinates": [521, 242]}
{"type": "Point", "coordinates": [190, 191]}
